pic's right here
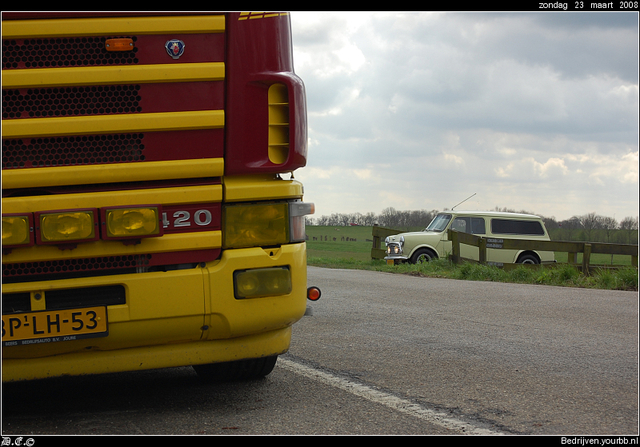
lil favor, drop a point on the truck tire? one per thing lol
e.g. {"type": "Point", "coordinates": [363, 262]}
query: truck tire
{"type": "Point", "coordinates": [249, 369]}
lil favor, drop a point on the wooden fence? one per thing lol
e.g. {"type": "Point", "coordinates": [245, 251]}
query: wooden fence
{"type": "Point", "coordinates": [571, 248]}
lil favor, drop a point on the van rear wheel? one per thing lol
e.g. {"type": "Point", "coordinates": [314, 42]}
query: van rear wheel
{"type": "Point", "coordinates": [249, 369]}
{"type": "Point", "coordinates": [528, 259]}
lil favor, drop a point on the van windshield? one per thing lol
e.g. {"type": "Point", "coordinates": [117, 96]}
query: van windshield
{"type": "Point", "coordinates": [439, 223]}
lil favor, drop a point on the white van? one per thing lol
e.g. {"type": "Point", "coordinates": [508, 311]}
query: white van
{"type": "Point", "coordinates": [433, 243]}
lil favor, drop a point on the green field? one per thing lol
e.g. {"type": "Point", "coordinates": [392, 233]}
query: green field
{"type": "Point", "coordinates": [350, 247]}
{"type": "Point", "coordinates": [350, 242]}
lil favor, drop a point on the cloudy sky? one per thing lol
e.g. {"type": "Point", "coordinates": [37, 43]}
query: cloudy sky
{"type": "Point", "coordinates": [529, 111]}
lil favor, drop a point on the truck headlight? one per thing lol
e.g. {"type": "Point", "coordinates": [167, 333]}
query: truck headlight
{"type": "Point", "coordinates": [255, 225]}
{"type": "Point", "coordinates": [264, 224]}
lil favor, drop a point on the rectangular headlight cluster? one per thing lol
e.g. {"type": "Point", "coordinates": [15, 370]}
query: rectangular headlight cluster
{"type": "Point", "coordinates": [265, 224]}
{"type": "Point", "coordinates": [80, 225]}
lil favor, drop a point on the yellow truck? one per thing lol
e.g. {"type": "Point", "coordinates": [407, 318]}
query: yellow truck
{"type": "Point", "coordinates": [150, 218]}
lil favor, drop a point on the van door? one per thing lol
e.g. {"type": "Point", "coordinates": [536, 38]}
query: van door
{"type": "Point", "coordinates": [471, 225]}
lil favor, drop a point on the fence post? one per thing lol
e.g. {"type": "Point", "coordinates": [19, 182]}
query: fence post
{"type": "Point", "coordinates": [455, 246]}
{"type": "Point", "coordinates": [482, 250]}
{"type": "Point", "coordinates": [586, 257]}
{"type": "Point", "coordinates": [379, 234]}
{"type": "Point", "coordinates": [376, 238]}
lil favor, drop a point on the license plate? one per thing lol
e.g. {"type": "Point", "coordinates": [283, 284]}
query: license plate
{"type": "Point", "coordinates": [54, 326]}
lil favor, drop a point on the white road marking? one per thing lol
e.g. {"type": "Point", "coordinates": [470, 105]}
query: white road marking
{"type": "Point", "coordinates": [391, 401]}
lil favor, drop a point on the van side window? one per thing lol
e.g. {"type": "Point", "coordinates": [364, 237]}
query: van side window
{"type": "Point", "coordinates": [477, 225]}
{"type": "Point", "coordinates": [473, 225]}
{"type": "Point", "coordinates": [528, 227]}
{"type": "Point", "coordinates": [460, 224]}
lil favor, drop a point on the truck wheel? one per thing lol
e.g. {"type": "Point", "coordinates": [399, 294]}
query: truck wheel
{"type": "Point", "coordinates": [423, 255]}
{"type": "Point", "coordinates": [528, 259]}
{"type": "Point", "coordinates": [248, 369]}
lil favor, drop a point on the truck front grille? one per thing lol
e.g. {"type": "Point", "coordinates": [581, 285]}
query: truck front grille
{"type": "Point", "coordinates": [32, 271]}
{"type": "Point", "coordinates": [62, 52]}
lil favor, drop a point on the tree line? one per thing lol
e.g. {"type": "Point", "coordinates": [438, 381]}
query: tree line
{"type": "Point", "coordinates": [590, 227]}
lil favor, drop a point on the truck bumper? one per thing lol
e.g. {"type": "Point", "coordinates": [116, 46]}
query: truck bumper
{"type": "Point", "coordinates": [175, 318]}
{"type": "Point", "coordinates": [147, 357]}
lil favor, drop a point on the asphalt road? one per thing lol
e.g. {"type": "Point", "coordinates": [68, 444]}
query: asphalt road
{"type": "Point", "coordinates": [387, 354]}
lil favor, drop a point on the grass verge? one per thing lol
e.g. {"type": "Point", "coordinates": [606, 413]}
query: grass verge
{"type": "Point", "coordinates": [349, 247]}
{"type": "Point", "coordinates": [566, 275]}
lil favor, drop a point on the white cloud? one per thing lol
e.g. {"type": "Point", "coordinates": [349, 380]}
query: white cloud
{"type": "Point", "coordinates": [504, 171]}
{"type": "Point", "coordinates": [420, 110]}
{"type": "Point", "coordinates": [552, 167]}
{"type": "Point", "coordinates": [453, 159]}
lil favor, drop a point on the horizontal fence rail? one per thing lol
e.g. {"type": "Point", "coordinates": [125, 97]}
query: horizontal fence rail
{"type": "Point", "coordinates": [571, 248]}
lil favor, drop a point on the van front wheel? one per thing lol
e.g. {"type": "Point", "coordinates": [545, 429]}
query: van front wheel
{"type": "Point", "coordinates": [423, 255]}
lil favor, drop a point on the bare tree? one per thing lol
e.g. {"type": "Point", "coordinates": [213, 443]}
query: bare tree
{"type": "Point", "coordinates": [629, 224]}
{"type": "Point", "coordinates": [608, 224]}
{"type": "Point", "coordinates": [369, 219]}
{"type": "Point", "coordinates": [590, 222]}
{"type": "Point", "coordinates": [388, 217]}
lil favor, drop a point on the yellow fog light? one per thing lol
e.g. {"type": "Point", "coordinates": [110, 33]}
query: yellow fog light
{"type": "Point", "coordinates": [254, 225]}
{"type": "Point", "coordinates": [131, 222]}
{"type": "Point", "coordinates": [17, 230]}
{"type": "Point", "coordinates": [59, 227]}
{"type": "Point", "coordinates": [262, 282]}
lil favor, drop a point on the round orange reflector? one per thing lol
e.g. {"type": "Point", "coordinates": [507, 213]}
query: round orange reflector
{"type": "Point", "coordinates": [313, 293]}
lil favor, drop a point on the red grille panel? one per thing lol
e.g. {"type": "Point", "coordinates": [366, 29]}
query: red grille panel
{"type": "Point", "coordinates": [62, 52]}
{"type": "Point", "coordinates": [74, 265]}
{"type": "Point", "coordinates": [69, 151]}
{"type": "Point", "coordinates": [111, 148]}
{"type": "Point", "coordinates": [70, 101]}
{"type": "Point", "coordinates": [113, 99]}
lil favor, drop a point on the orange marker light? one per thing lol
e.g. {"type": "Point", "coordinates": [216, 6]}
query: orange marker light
{"type": "Point", "coordinates": [313, 293]}
{"type": "Point", "coordinates": [122, 44]}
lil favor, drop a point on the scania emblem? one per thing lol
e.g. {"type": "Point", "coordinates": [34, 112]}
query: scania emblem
{"type": "Point", "coordinates": [175, 48]}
